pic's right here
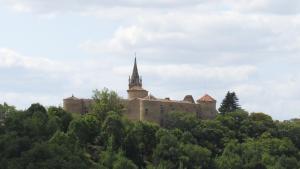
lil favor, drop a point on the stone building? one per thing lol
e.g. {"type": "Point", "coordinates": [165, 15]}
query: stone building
{"type": "Point", "coordinates": [141, 106]}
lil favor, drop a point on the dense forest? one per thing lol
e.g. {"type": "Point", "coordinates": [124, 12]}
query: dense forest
{"type": "Point", "coordinates": [50, 138]}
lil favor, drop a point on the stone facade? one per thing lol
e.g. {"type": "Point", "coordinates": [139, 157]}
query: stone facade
{"type": "Point", "coordinates": [75, 105]}
{"type": "Point", "coordinates": [141, 106]}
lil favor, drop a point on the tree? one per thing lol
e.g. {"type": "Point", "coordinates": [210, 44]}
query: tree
{"type": "Point", "coordinates": [113, 128]}
{"type": "Point", "coordinates": [195, 156]}
{"type": "Point", "coordinates": [51, 139]}
{"type": "Point", "coordinates": [123, 162]}
{"type": "Point", "coordinates": [139, 142]}
{"type": "Point", "coordinates": [257, 124]}
{"type": "Point", "coordinates": [106, 101]}
{"type": "Point", "coordinates": [4, 110]}
{"type": "Point", "coordinates": [167, 151]}
{"type": "Point", "coordinates": [183, 121]}
{"type": "Point", "coordinates": [86, 129]}
{"type": "Point", "coordinates": [64, 118]}
{"type": "Point", "coordinates": [265, 152]}
{"type": "Point", "coordinates": [230, 103]}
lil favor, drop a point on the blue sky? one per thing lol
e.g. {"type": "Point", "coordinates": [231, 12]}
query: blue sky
{"type": "Point", "coordinates": [52, 49]}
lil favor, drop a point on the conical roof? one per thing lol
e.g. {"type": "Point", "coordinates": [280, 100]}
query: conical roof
{"type": "Point", "coordinates": [206, 98]}
{"type": "Point", "coordinates": [135, 72]}
{"type": "Point", "coordinates": [189, 98]}
{"type": "Point", "coordinates": [135, 79]}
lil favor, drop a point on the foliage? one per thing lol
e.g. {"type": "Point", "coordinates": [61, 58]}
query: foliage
{"type": "Point", "coordinates": [106, 101]}
{"type": "Point", "coordinates": [85, 129]}
{"type": "Point", "coordinates": [52, 139]}
{"type": "Point", "coordinates": [230, 103]}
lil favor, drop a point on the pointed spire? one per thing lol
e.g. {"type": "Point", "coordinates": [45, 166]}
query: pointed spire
{"type": "Point", "coordinates": [135, 80]}
{"type": "Point", "coordinates": [135, 72]}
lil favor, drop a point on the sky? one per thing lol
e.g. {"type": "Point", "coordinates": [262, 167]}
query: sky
{"type": "Point", "coordinates": [51, 49]}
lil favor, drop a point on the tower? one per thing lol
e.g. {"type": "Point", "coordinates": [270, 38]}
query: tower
{"type": "Point", "coordinates": [135, 84]}
{"type": "Point", "coordinates": [135, 79]}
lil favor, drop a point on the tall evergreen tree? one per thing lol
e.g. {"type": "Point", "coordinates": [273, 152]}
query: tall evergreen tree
{"type": "Point", "coordinates": [230, 103]}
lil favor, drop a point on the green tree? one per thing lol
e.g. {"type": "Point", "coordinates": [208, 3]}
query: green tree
{"type": "Point", "coordinates": [231, 157]}
{"type": "Point", "coordinates": [257, 124]}
{"type": "Point", "coordinates": [4, 110]}
{"type": "Point", "coordinates": [86, 129]}
{"type": "Point", "coordinates": [195, 157]}
{"type": "Point", "coordinates": [212, 135]}
{"type": "Point", "coordinates": [53, 156]}
{"type": "Point", "coordinates": [63, 117]}
{"type": "Point", "coordinates": [265, 152]}
{"type": "Point", "coordinates": [113, 127]}
{"type": "Point", "coordinates": [140, 141]}
{"type": "Point", "coordinates": [182, 121]}
{"type": "Point", "coordinates": [123, 162]}
{"type": "Point", "coordinates": [167, 151]}
{"type": "Point", "coordinates": [230, 103]}
{"type": "Point", "coordinates": [106, 101]}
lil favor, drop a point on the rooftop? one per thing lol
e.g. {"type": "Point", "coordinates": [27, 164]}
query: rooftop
{"type": "Point", "coordinates": [206, 98]}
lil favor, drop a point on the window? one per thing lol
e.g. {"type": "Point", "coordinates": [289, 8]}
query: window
{"type": "Point", "coordinates": [146, 111]}
{"type": "Point", "coordinates": [161, 109]}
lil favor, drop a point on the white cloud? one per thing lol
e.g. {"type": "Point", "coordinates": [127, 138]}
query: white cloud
{"type": "Point", "coordinates": [267, 6]}
{"type": "Point", "coordinates": [185, 71]}
{"type": "Point", "coordinates": [54, 6]}
{"type": "Point", "coordinates": [82, 5]}
{"type": "Point", "coordinates": [251, 47]}
{"type": "Point", "coordinates": [10, 58]}
{"type": "Point", "coordinates": [225, 37]}
{"type": "Point", "coordinates": [24, 99]}
{"type": "Point", "coordinates": [277, 97]}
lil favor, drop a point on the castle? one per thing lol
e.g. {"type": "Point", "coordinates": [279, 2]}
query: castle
{"type": "Point", "coordinates": [140, 105]}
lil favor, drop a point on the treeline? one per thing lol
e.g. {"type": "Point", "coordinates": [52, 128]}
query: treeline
{"type": "Point", "coordinates": [40, 138]}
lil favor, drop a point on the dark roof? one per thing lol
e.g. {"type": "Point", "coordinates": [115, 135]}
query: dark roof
{"type": "Point", "coordinates": [189, 98]}
{"type": "Point", "coordinates": [135, 72]}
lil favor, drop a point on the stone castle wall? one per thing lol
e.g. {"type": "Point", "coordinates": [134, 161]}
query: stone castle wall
{"type": "Point", "coordinates": [147, 109]}
{"type": "Point", "coordinates": [132, 94]}
{"type": "Point", "coordinates": [155, 110]}
{"type": "Point", "coordinates": [80, 106]}
{"type": "Point", "coordinates": [208, 110]}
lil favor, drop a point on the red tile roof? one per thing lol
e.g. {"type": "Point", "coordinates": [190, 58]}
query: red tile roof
{"type": "Point", "coordinates": [207, 98]}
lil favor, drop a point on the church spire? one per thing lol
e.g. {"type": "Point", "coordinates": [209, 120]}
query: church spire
{"type": "Point", "coordinates": [135, 79]}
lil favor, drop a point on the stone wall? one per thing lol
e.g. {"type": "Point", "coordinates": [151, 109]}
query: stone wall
{"type": "Point", "coordinates": [132, 94]}
{"type": "Point", "coordinates": [154, 110]}
{"type": "Point", "coordinates": [148, 109]}
{"type": "Point", "coordinates": [208, 110]}
{"type": "Point", "coordinates": [80, 106]}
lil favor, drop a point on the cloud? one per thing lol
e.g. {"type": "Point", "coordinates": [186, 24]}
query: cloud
{"type": "Point", "coordinates": [267, 6]}
{"type": "Point", "coordinates": [185, 47]}
{"type": "Point", "coordinates": [185, 71]}
{"type": "Point", "coordinates": [82, 5]}
{"type": "Point", "coordinates": [94, 6]}
{"type": "Point", "coordinates": [11, 59]}
{"type": "Point", "coordinates": [24, 99]}
{"type": "Point", "coordinates": [220, 38]}
{"type": "Point", "coordinates": [275, 97]}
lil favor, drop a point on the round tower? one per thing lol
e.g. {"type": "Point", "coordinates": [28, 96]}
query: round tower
{"type": "Point", "coordinates": [208, 106]}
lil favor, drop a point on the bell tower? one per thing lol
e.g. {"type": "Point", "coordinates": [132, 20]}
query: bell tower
{"type": "Point", "coordinates": [135, 84]}
{"type": "Point", "coordinates": [135, 79]}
